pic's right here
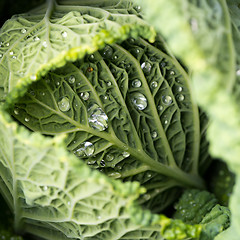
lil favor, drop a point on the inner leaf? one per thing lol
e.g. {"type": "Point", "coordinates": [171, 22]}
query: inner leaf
{"type": "Point", "coordinates": [128, 111]}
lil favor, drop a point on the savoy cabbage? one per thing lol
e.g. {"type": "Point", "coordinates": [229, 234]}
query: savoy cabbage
{"type": "Point", "coordinates": [103, 129]}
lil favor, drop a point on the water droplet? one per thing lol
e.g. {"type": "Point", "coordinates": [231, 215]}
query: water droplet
{"type": "Point", "coordinates": [115, 57]}
{"type": "Point", "coordinates": [33, 77]}
{"type": "Point", "coordinates": [137, 50]}
{"type": "Point", "coordinates": [7, 44]}
{"type": "Point", "coordinates": [44, 44]}
{"type": "Point", "coordinates": [32, 93]}
{"type": "Point", "coordinates": [180, 89]}
{"type": "Point", "coordinates": [131, 40]}
{"type": "Point", "coordinates": [146, 197]}
{"type": "Point", "coordinates": [23, 30]}
{"type": "Point", "coordinates": [57, 83]}
{"type": "Point", "coordinates": [238, 72]}
{"type": "Point", "coordinates": [11, 53]}
{"type": "Point", "coordinates": [194, 24]}
{"type": "Point", "coordinates": [115, 175]}
{"type": "Point", "coordinates": [91, 162]}
{"type": "Point", "coordinates": [136, 83]}
{"type": "Point", "coordinates": [42, 93]}
{"type": "Point", "coordinates": [36, 38]}
{"type": "Point", "coordinates": [160, 107]}
{"type": "Point", "coordinates": [64, 104]}
{"type": "Point", "coordinates": [139, 101]}
{"type": "Point", "coordinates": [138, 8]}
{"type": "Point", "coordinates": [91, 57]}
{"type": "Point", "coordinates": [166, 122]}
{"type": "Point", "coordinates": [26, 119]}
{"type": "Point", "coordinates": [149, 175]}
{"type": "Point", "coordinates": [105, 98]}
{"type": "Point", "coordinates": [64, 34]}
{"type": "Point", "coordinates": [1, 55]}
{"type": "Point", "coordinates": [102, 163]}
{"type": "Point", "coordinates": [153, 84]}
{"type": "Point", "coordinates": [14, 57]}
{"type": "Point", "coordinates": [167, 100]}
{"type": "Point", "coordinates": [107, 52]}
{"type": "Point", "coordinates": [99, 217]}
{"type": "Point", "coordinates": [109, 84]}
{"type": "Point", "coordinates": [89, 69]}
{"type": "Point", "coordinates": [146, 67]}
{"type": "Point", "coordinates": [45, 188]}
{"type": "Point", "coordinates": [68, 203]}
{"type": "Point", "coordinates": [154, 134]}
{"type": "Point", "coordinates": [16, 111]}
{"type": "Point", "coordinates": [109, 157]}
{"type": "Point", "coordinates": [180, 97]}
{"type": "Point", "coordinates": [97, 118]}
{"type": "Point", "coordinates": [163, 64]}
{"type": "Point", "coordinates": [85, 149]}
{"type": "Point", "coordinates": [71, 79]}
{"type": "Point", "coordinates": [126, 154]}
{"type": "Point", "coordinates": [172, 72]}
{"type": "Point", "coordinates": [85, 95]}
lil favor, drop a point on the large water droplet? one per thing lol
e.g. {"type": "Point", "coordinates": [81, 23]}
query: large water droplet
{"type": "Point", "coordinates": [85, 149]}
{"type": "Point", "coordinates": [97, 118]}
{"type": "Point", "coordinates": [180, 97]}
{"type": "Point", "coordinates": [64, 34]}
{"type": "Point", "coordinates": [64, 104]}
{"type": "Point", "coordinates": [180, 89]}
{"type": "Point", "coordinates": [71, 79]}
{"type": "Point", "coordinates": [167, 100]}
{"type": "Point", "coordinates": [136, 83]}
{"type": "Point", "coordinates": [154, 134]}
{"type": "Point", "coordinates": [85, 95]}
{"type": "Point", "coordinates": [146, 67]}
{"type": "Point", "coordinates": [23, 30]}
{"type": "Point", "coordinates": [139, 101]}
{"type": "Point", "coordinates": [107, 52]}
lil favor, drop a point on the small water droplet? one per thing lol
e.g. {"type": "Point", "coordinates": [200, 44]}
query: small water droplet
{"type": "Point", "coordinates": [91, 57]}
{"type": "Point", "coordinates": [85, 149]}
{"type": "Point", "coordinates": [115, 175]}
{"type": "Point", "coordinates": [1, 55]}
{"type": "Point", "coordinates": [85, 95]}
{"type": "Point", "coordinates": [146, 197]}
{"type": "Point", "coordinates": [146, 67]}
{"type": "Point", "coordinates": [149, 175]}
{"type": "Point", "coordinates": [97, 118]}
{"type": "Point", "coordinates": [45, 188]}
{"type": "Point", "coordinates": [102, 163]}
{"type": "Point", "coordinates": [23, 30]}
{"type": "Point", "coordinates": [154, 134]}
{"type": "Point", "coordinates": [105, 98]}
{"type": "Point", "coordinates": [99, 217]}
{"type": "Point", "coordinates": [138, 8]}
{"type": "Point", "coordinates": [26, 119]}
{"type": "Point", "coordinates": [109, 157]}
{"type": "Point", "coordinates": [172, 72]}
{"type": "Point", "coordinates": [42, 93]}
{"type": "Point", "coordinates": [7, 44]}
{"type": "Point", "coordinates": [33, 77]}
{"type": "Point", "coordinates": [107, 52]}
{"type": "Point", "coordinates": [68, 203]}
{"type": "Point", "coordinates": [44, 44]}
{"type": "Point", "coordinates": [238, 72]}
{"type": "Point", "coordinates": [126, 154]}
{"type": "Point", "coordinates": [137, 50]}
{"type": "Point", "coordinates": [115, 57]}
{"type": "Point", "coordinates": [71, 79]}
{"type": "Point", "coordinates": [64, 34]}
{"type": "Point", "coordinates": [167, 100]}
{"type": "Point", "coordinates": [57, 83]}
{"type": "Point", "coordinates": [153, 84]}
{"type": "Point", "coordinates": [180, 89]}
{"type": "Point", "coordinates": [131, 40]}
{"type": "Point", "coordinates": [166, 122]}
{"type": "Point", "coordinates": [139, 101]}
{"type": "Point", "coordinates": [91, 161]}
{"type": "Point", "coordinates": [36, 38]}
{"type": "Point", "coordinates": [16, 111]}
{"type": "Point", "coordinates": [180, 97]}
{"type": "Point", "coordinates": [194, 24]}
{"type": "Point", "coordinates": [136, 83]}
{"type": "Point", "coordinates": [14, 57]}
{"type": "Point", "coordinates": [64, 104]}
{"type": "Point", "coordinates": [11, 53]}
{"type": "Point", "coordinates": [32, 93]}
{"type": "Point", "coordinates": [109, 84]}
{"type": "Point", "coordinates": [160, 107]}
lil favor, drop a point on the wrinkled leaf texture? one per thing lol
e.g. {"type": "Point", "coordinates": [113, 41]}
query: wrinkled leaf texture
{"type": "Point", "coordinates": [161, 146]}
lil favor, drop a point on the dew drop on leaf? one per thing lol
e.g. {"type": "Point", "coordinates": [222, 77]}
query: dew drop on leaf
{"type": "Point", "coordinates": [109, 84]}
{"type": "Point", "coordinates": [64, 104]}
{"type": "Point", "coordinates": [172, 72]}
{"type": "Point", "coordinates": [36, 39]}
{"type": "Point", "coordinates": [85, 149]}
{"type": "Point", "coordinates": [154, 135]}
{"type": "Point", "coordinates": [238, 72]}
{"type": "Point", "coordinates": [153, 84]}
{"type": "Point", "coordinates": [64, 34]}
{"type": "Point", "coordinates": [115, 175]}
{"type": "Point", "coordinates": [23, 30]}
{"type": "Point", "coordinates": [33, 77]}
{"type": "Point", "coordinates": [99, 217]}
{"type": "Point", "coordinates": [44, 44]}
{"type": "Point", "coordinates": [97, 118]}
{"type": "Point", "coordinates": [85, 95]}
{"type": "Point", "coordinates": [146, 67]}
{"type": "Point", "coordinates": [1, 55]}
{"type": "Point", "coordinates": [166, 122]}
{"type": "Point", "coordinates": [71, 79]}
{"type": "Point", "coordinates": [16, 111]}
{"type": "Point", "coordinates": [107, 52]}
{"type": "Point", "coordinates": [26, 119]}
{"type": "Point", "coordinates": [126, 154]}
{"type": "Point", "coordinates": [11, 53]}
{"type": "Point", "coordinates": [180, 97]}
{"type": "Point", "coordinates": [115, 57]}
{"type": "Point", "coordinates": [136, 83]}
{"type": "Point", "coordinates": [167, 100]}
{"type": "Point", "coordinates": [180, 89]}
{"type": "Point", "coordinates": [109, 157]}
{"type": "Point", "coordinates": [139, 101]}
{"type": "Point", "coordinates": [102, 163]}
{"type": "Point", "coordinates": [160, 107]}
{"type": "Point", "coordinates": [91, 162]}
{"type": "Point", "coordinates": [7, 44]}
